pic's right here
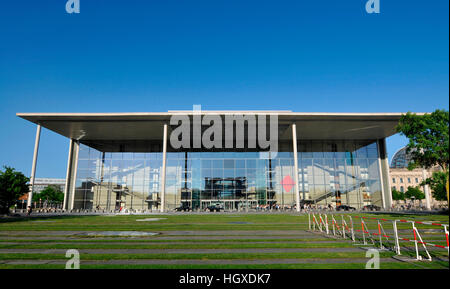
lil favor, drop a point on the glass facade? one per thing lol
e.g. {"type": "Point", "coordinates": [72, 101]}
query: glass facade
{"type": "Point", "coordinates": [329, 173]}
{"type": "Point", "coordinates": [400, 159]}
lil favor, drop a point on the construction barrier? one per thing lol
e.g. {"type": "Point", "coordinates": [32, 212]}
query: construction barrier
{"type": "Point", "coordinates": [417, 239]}
{"type": "Point", "coordinates": [378, 235]}
{"type": "Point", "coordinates": [384, 233]}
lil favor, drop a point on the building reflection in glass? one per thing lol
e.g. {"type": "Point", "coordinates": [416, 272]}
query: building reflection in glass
{"type": "Point", "coordinates": [330, 172]}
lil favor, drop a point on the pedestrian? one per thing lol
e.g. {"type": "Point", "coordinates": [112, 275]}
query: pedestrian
{"type": "Point", "coordinates": [29, 210]}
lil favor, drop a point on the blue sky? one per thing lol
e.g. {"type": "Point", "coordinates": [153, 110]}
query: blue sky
{"type": "Point", "coordinates": [135, 56]}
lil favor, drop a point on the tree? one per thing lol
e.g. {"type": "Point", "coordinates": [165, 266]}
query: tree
{"type": "Point", "coordinates": [428, 139]}
{"type": "Point", "coordinates": [414, 193]}
{"type": "Point", "coordinates": [50, 193]}
{"type": "Point", "coordinates": [437, 184]}
{"type": "Point", "coordinates": [398, 196]}
{"type": "Point", "coordinates": [13, 185]}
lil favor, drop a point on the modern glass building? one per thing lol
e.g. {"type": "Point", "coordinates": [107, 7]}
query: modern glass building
{"type": "Point", "coordinates": [125, 160]}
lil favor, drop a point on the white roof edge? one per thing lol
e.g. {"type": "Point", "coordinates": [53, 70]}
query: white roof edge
{"type": "Point", "coordinates": [218, 112]}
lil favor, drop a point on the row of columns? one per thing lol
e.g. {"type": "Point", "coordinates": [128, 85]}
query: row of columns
{"type": "Point", "coordinates": [73, 161]}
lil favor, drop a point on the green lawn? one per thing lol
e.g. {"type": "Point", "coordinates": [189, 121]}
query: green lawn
{"type": "Point", "coordinates": [202, 231]}
{"type": "Point", "coordinates": [387, 265]}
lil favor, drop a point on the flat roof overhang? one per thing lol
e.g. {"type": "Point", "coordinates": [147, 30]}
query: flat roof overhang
{"type": "Point", "coordinates": [99, 127]}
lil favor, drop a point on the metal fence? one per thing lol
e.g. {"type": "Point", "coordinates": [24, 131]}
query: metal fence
{"type": "Point", "coordinates": [383, 233]}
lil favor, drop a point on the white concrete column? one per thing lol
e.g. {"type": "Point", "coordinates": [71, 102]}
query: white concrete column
{"type": "Point", "coordinates": [74, 174]}
{"type": "Point", "coordinates": [426, 190]}
{"type": "Point", "coordinates": [163, 172]}
{"type": "Point", "coordinates": [386, 177]}
{"type": "Point", "coordinates": [69, 165]}
{"type": "Point", "coordinates": [33, 166]}
{"type": "Point", "coordinates": [294, 145]}
{"type": "Point", "coordinates": [380, 172]}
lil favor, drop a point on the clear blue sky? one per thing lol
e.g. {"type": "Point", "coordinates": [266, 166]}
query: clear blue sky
{"type": "Point", "coordinates": [135, 55]}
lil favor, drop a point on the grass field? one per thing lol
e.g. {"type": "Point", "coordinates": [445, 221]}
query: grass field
{"type": "Point", "coordinates": [210, 240]}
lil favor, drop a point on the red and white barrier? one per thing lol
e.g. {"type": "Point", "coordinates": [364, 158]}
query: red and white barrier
{"type": "Point", "coordinates": [380, 231]}
{"type": "Point", "coordinates": [418, 238]}
{"type": "Point", "coordinates": [383, 237]}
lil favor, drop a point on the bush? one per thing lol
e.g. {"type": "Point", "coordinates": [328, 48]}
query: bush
{"type": "Point", "coordinates": [414, 193]}
{"type": "Point", "coordinates": [397, 196]}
